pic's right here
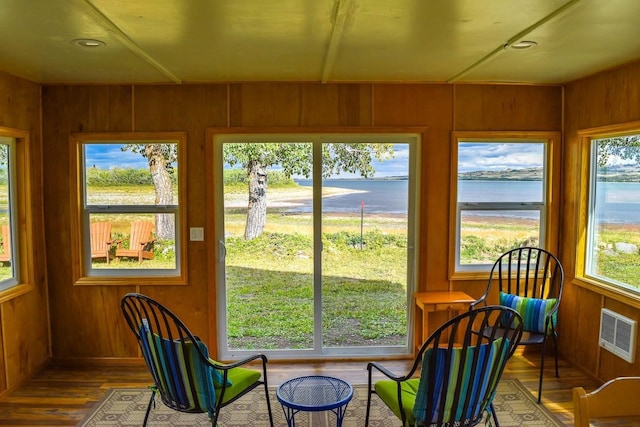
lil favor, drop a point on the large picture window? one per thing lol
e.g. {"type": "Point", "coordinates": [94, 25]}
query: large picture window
{"type": "Point", "coordinates": [130, 194]}
{"type": "Point", "coordinates": [613, 237]}
{"type": "Point", "coordinates": [501, 197]}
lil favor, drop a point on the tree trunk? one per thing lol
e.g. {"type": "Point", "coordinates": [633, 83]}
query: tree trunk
{"type": "Point", "coordinates": [165, 223]}
{"type": "Point", "coordinates": [257, 209]}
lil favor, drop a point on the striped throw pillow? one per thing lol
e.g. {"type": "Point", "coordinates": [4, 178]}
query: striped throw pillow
{"type": "Point", "coordinates": [478, 384]}
{"type": "Point", "coordinates": [534, 311]}
{"type": "Point", "coordinates": [169, 361]}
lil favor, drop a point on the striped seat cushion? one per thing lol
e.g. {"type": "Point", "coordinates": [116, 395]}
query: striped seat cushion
{"type": "Point", "coordinates": [478, 375]}
{"type": "Point", "coordinates": [534, 311]}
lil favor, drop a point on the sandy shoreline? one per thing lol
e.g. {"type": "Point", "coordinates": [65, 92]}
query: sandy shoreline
{"type": "Point", "coordinates": [286, 198]}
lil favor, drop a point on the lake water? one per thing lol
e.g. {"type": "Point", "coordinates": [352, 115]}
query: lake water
{"type": "Point", "coordinates": [379, 196]}
{"type": "Point", "coordinates": [620, 200]}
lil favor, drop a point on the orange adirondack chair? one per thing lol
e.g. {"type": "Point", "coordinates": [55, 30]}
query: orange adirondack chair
{"type": "Point", "coordinates": [5, 256]}
{"type": "Point", "coordinates": [101, 240]}
{"type": "Point", "coordinates": [140, 242]}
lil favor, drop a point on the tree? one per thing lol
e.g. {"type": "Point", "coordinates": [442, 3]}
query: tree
{"type": "Point", "coordinates": [160, 158]}
{"type": "Point", "coordinates": [296, 159]}
{"type": "Point", "coordinates": [625, 147]}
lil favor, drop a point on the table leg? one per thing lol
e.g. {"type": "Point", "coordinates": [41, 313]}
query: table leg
{"type": "Point", "coordinates": [340, 412]}
{"type": "Point", "coordinates": [425, 326]}
{"type": "Point", "coordinates": [289, 414]}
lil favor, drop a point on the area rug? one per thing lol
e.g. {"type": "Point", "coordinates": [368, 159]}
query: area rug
{"type": "Point", "coordinates": [514, 405]}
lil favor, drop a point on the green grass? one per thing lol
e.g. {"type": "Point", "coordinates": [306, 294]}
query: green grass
{"type": "Point", "coordinates": [270, 291]}
{"type": "Point", "coordinates": [618, 266]}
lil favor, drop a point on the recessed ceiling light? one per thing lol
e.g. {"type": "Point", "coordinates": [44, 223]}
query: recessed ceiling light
{"type": "Point", "coordinates": [524, 44]}
{"type": "Point", "coordinates": [90, 43]}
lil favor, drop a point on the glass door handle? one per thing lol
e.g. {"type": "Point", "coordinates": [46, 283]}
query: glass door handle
{"type": "Point", "coordinates": [222, 251]}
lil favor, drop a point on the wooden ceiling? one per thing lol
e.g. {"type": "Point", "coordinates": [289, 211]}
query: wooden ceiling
{"type": "Point", "coordinates": [188, 41]}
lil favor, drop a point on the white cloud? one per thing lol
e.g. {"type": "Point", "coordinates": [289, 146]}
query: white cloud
{"type": "Point", "coordinates": [499, 156]}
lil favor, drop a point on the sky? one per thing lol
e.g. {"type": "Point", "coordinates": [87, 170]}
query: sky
{"type": "Point", "coordinates": [472, 157]}
{"type": "Point", "coordinates": [495, 156]}
{"type": "Point", "coordinates": [106, 156]}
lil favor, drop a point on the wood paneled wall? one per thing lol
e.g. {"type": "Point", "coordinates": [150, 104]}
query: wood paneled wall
{"type": "Point", "coordinates": [86, 322]}
{"type": "Point", "coordinates": [24, 319]}
{"type": "Point", "coordinates": [608, 98]}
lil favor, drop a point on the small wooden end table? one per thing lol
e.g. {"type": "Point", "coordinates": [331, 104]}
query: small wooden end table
{"type": "Point", "coordinates": [428, 302]}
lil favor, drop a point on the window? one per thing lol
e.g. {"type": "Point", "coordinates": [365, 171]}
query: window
{"type": "Point", "coordinates": [16, 239]}
{"type": "Point", "coordinates": [9, 274]}
{"type": "Point", "coordinates": [130, 194]}
{"type": "Point", "coordinates": [612, 255]}
{"type": "Point", "coordinates": [501, 197]}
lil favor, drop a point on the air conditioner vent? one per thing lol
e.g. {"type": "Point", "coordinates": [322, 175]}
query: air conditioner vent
{"type": "Point", "coordinates": [618, 334]}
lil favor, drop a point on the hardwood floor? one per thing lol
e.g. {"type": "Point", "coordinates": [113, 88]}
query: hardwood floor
{"type": "Point", "coordinates": [64, 395]}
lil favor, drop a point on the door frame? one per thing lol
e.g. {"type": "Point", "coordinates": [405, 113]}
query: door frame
{"type": "Point", "coordinates": [215, 225]}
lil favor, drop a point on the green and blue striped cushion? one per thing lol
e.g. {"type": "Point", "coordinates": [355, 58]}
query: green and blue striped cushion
{"type": "Point", "coordinates": [478, 384]}
{"type": "Point", "coordinates": [534, 311]}
{"type": "Point", "coordinates": [169, 362]}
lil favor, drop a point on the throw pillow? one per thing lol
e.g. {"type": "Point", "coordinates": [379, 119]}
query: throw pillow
{"type": "Point", "coordinates": [534, 311]}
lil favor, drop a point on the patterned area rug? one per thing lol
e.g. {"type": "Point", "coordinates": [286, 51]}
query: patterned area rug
{"type": "Point", "coordinates": [514, 404]}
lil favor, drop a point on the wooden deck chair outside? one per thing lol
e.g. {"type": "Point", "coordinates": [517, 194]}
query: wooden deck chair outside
{"type": "Point", "coordinates": [5, 256]}
{"type": "Point", "coordinates": [140, 242]}
{"type": "Point", "coordinates": [101, 243]}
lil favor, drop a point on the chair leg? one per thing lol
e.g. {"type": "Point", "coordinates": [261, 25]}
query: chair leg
{"type": "Point", "coordinates": [555, 352]}
{"type": "Point", "coordinates": [366, 417]}
{"type": "Point", "coordinates": [494, 416]}
{"type": "Point", "coordinates": [146, 415]}
{"type": "Point", "coordinates": [266, 392]}
{"type": "Point", "coordinates": [541, 369]}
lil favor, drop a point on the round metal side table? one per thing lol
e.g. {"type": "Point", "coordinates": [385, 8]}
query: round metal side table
{"type": "Point", "coordinates": [313, 394]}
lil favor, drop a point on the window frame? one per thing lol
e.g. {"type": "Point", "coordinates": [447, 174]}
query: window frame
{"type": "Point", "coordinates": [22, 241]}
{"type": "Point", "coordinates": [548, 208]}
{"type": "Point", "coordinates": [12, 179]}
{"type": "Point", "coordinates": [600, 284]}
{"type": "Point", "coordinates": [83, 274]}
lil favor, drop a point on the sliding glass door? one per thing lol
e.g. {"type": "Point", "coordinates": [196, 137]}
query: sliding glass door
{"type": "Point", "coordinates": [315, 244]}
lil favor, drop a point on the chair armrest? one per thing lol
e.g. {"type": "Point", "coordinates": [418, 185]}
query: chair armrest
{"type": "Point", "coordinates": [385, 371]}
{"type": "Point", "coordinates": [225, 366]}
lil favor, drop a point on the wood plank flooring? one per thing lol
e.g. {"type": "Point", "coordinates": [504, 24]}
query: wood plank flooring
{"type": "Point", "coordinates": [64, 395]}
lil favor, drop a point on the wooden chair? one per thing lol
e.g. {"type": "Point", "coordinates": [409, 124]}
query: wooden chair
{"type": "Point", "coordinates": [101, 243]}
{"type": "Point", "coordinates": [5, 256]}
{"type": "Point", "coordinates": [140, 242]}
{"type": "Point", "coordinates": [616, 399]}
{"type": "Point", "coordinates": [530, 280]}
